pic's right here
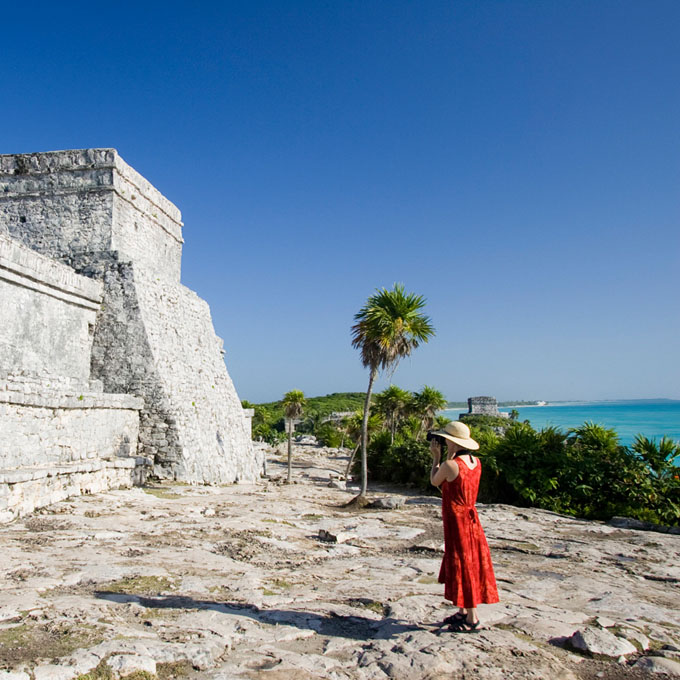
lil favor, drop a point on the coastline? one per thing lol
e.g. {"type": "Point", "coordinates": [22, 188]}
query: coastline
{"type": "Point", "coordinates": [652, 418]}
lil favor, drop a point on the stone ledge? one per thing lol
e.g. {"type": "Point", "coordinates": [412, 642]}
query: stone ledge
{"type": "Point", "coordinates": [49, 162]}
{"type": "Point", "coordinates": [25, 267]}
{"type": "Point", "coordinates": [54, 164]}
{"type": "Point", "coordinates": [39, 382]}
{"type": "Point", "coordinates": [22, 491]}
{"type": "Point", "coordinates": [29, 474]}
{"type": "Point", "coordinates": [47, 398]}
{"type": "Point", "coordinates": [130, 186]}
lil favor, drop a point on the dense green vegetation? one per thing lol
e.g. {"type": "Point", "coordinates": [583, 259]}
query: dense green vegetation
{"type": "Point", "coordinates": [268, 422]}
{"type": "Point", "coordinates": [584, 471]}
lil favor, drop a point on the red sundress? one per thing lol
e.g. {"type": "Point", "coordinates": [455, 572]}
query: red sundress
{"type": "Point", "coordinates": [466, 571]}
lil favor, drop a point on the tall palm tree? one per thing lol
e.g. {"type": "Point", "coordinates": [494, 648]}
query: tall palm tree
{"type": "Point", "coordinates": [388, 327]}
{"type": "Point", "coordinates": [293, 406]}
{"type": "Point", "coordinates": [393, 404]}
{"type": "Point", "coordinates": [427, 402]}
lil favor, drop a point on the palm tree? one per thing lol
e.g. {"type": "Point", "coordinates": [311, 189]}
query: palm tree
{"type": "Point", "coordinates": [388, 327]}
{"type": "Point", "coordinates": [393, 404]}
{"type": "Point", "coordinates": [427, 402]}
{"type": "Point", "coordinates": [293, 405]}
{"type": "Point", "coordinates": [660, 456]}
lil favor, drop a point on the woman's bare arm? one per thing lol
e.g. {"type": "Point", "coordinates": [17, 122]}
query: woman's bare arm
{"type": "Point", "coordinates": [448, 470]}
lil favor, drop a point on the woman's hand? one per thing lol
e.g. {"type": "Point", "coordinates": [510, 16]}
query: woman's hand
{"type": "Point", "coordinates": [435, 450]}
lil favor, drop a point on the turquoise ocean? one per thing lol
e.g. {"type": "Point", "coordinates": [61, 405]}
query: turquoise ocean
{"type": "Point", "coordinates": [649, 417]}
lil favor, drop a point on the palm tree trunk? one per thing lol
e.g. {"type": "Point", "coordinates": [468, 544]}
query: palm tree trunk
{"type": "Point", "coordinates": [364, 433]}
{"type": "Point", "coordinates": [290, 446]}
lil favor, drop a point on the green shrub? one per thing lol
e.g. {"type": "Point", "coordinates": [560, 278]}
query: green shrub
{"type": "Point", "coordinates": [328, 434]}
{"type": "Point", "coordinates": [407, 461]}
{"type": "Point", "coordinates": [584, 472]}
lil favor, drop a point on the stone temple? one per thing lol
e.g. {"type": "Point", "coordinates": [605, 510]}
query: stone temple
{"type": "Point", "coordinates": [110, 368]}
{"type": "Point", "coordinates": [485, 406]}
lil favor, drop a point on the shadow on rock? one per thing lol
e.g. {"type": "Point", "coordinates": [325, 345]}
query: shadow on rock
{"type": "Point", "coordinates": [332, 625]}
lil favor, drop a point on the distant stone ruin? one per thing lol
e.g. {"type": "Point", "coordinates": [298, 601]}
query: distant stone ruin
{"type": "Point", "coordinates": [484, 406]}
{"type": "Point", "coordinates": [109, 367]}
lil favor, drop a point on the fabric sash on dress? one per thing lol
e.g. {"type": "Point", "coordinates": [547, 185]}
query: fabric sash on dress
{"type": "Point", "coordinates": [462, 509]}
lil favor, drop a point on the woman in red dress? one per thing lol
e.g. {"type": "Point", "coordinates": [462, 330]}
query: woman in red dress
{"type": "Point", "coordinates": [466, 571]}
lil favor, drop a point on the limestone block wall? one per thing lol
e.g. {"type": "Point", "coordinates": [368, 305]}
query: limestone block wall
{"type": "Point", "coordinates": [43, 426]}
{"type": "Point", "coordinates": [156, 339]}
{"type": "Point", "coordinates": [212, 429]}
{"type": "Point", "coordinates": [48, 315]}
{"type": "Point", "coordinates": [486, 406]}
{"type": "Point", "coordinates": [24, 490]}
{"type": "Point", "coordinates": [66, 203]}
{"type": "Point", "coordinates": [146, 227]}
{"type": "Point", "coordinates": [60, 435]}
{"type": "Point", "coordinates": [123, 360]}
{"type": "Point", "coordinates": [58, 203]}
{"type": "Point", "coordinates": [56, 442]}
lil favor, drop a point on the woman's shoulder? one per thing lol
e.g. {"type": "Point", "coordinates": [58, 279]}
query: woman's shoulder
{"type": "Point", "coordinates": [452, 469]}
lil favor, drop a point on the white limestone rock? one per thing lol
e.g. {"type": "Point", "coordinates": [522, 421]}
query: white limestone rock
{"type": "Point", "coordinates": [635, 636]}
{"type": "Point", "coordinates": [658, 664]}
{"type": "Point", "coordinates": [126, 664]}
{"type": "Point", "coordinates": [54, 672]}
{"type": "Point", "coordinates": [390, 503]}
{"type": "Point", "coordinates": [601, 641]}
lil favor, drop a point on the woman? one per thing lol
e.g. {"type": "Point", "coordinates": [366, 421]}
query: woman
{"type": "Point", "coordinates": [466, 571]}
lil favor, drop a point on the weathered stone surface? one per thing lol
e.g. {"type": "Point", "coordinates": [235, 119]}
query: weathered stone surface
{"type": "Point", "coordinates": [48, 314]}
{"type": "Point", "coordinates": [485, 406]}
{"type": "Point", "coordinates": [658, 664]}
{"type": "Point", "coordinates": [631, 523]}
{"type": "Point", "coordinates": [126, 664]}
{"type": "Point", "coordinates": [390, 503]}
{"type": "Point", "coordinates": [601, 641]}
{"type": "Point", "coordinates": [248, 591]}
{"type": "Point", "coordinates": [54, 672]}
{"type": "Point", "coordinates": [638, 638]}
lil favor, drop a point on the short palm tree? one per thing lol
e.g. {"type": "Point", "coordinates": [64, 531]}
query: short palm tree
{"type": "Point", "coordinates": [660, 456]}
{"type": "Point", "coordinates": [388, 328]}
{"type": "Point", "coordinates": [393, 404]}
{"type": "Point", "coordinates": [354, 429]}
{"type": "Point", "coordinates": [293, 406]}
{"type": "Point", "coordinates": [426, 403]}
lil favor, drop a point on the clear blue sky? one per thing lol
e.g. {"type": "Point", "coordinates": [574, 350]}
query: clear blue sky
{"type": "Point", "coordinates": [517, 163]}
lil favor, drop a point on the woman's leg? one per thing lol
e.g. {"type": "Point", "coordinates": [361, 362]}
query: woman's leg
{"type": "Point", "coordinates": [471, 615]}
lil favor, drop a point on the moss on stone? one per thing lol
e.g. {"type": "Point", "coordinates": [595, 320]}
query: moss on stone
{"type": "Point", "coordinates": [141, 585]}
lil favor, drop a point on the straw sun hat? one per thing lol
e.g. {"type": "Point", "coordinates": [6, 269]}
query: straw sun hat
{"type": "Point", "coordinates": [459, 433]}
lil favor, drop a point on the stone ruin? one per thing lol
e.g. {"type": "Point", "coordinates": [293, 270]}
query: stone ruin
{"type": "Point", "coordinates": [484, 406]}
{"type": "Point", "coordinates": [110, 368]}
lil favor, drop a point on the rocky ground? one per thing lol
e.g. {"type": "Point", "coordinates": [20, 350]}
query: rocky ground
{"type": "Point", "coordinates": [234, 582]}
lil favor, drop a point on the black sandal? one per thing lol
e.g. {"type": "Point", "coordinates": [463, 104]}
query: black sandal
{"type": "Point", "coordinates": [454, 618]}
{"type": "Point", "coordinates": [462, 626]}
